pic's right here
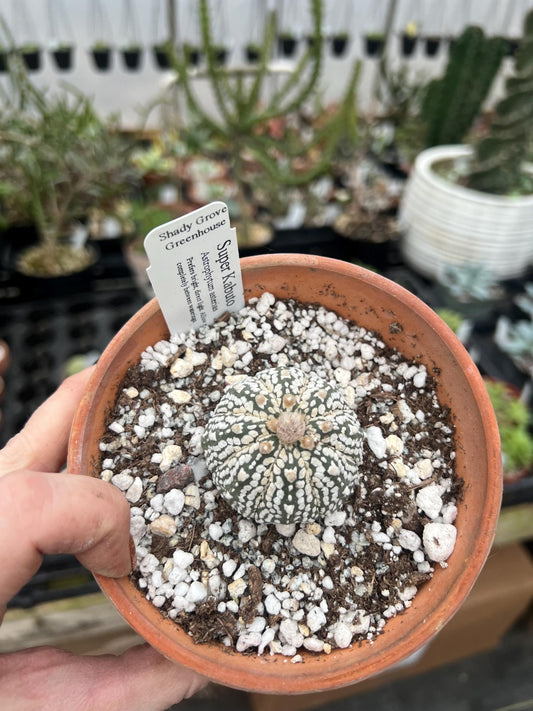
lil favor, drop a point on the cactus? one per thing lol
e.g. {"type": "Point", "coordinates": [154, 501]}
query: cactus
{"type": "Point", "coordinates": [283, 447]}
{"type": "Point", "coordinates": [497, 167]}
{"type": "Point", "coordinates": [452, 102]}
{"type": "Point", "coordinates": [243, 109]}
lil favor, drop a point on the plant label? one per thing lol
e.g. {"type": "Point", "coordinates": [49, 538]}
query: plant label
{"type": "Point", "coordinates": [194, 268]}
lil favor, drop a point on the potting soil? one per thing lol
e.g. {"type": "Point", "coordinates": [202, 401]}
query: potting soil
{"type": "Point", "coordinates": [264, 588]}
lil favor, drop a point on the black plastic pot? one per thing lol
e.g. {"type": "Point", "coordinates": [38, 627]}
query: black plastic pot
{"type": "Point", "coordinates": [161, 58]}
{"type": "Point", "coordinates": [32, 59]}
{"type": "Point", "coordinates": [408, 44]}
{"type": "Point", "coordinates": [432, 45]}
{"type": "Point", "coordinates": [194, 56]}
{"type": "Point", "coordinates": [220, 56]}
{"type": "Point", "coordinates": [374, 46]}
{"type": "Point", "coordinates": [102, 59]}
{"type": "Point", "coordinates": [252, 53]}
{"type": "Point", "coordinates": [132, 58]}
{"type": "Point", "coordinates": [4, 61]}
{"type": "Point", "coordinates": [287, 45]}
{"type": "Point", "coordinates": [63, 58]}
{"type": "Point", "coordinates": [339, 45]}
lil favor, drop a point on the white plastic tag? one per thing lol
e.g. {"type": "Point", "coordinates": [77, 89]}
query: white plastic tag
{"type": "Point", "coordinates": [194, 268]}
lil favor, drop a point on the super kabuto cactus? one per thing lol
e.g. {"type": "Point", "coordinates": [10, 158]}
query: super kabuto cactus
{"type": "Point", "coordinates": [283, 447]}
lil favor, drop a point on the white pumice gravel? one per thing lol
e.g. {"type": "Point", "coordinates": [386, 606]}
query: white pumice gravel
{"type": "Point", "coordinates": [282, 589]}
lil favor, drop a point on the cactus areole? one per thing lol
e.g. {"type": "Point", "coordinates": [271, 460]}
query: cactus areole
{"type": "Point", "coordinates": [283, 446]}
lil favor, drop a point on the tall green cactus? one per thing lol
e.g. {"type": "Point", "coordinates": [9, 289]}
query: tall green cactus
{"type": "Point", "coordinates": [244, 106]}
{"type": "Point", "coordinates": [499, 156]}
{"type": "Point", "coordinates": [452, 102]}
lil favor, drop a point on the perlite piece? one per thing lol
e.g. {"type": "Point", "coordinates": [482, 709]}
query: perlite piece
{"type": "Point", "coordinates": [283, 447]}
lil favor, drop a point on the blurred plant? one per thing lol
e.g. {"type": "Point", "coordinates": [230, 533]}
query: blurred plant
{"type": "Point", "coordinates": [153, 160]}
{"type": "Point", "coordinates": [58, 159]}
{"type": "Point", "coordinates": [525, 300]}
{"type": "Point", "coordinates": [513, 419]}
{"type": "Point", "coordinates": [516, 339]}
{"type": "Point", "coordinates": [138, 218]}
{"type": "Point", "coordinates": [453, 102]}
{"type": "Point", "coordinates": [244, 110]}
{"type": "Point", "coordinates": [470, 282]}
{"type": "Point", "coordinates": [451, 318]}
{"type": "Point", "coordinates": [498, 163]}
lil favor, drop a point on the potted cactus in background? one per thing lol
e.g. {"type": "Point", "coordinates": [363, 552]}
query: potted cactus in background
{"type": "Point", "coordinates": [486, 187]}
{"type": "Point", "coordinates": [102, 56]}
{"type": "Point", "coordinates": [374, 44]}
{"type": "Point", "coordinates": [132, 56]}
{"type": "Point", "coordinates": [245, 112]}
{"type": "Point", "coordinates": [409, 39]}
{"type": "Point", "coordinates": [63, 56]}
{"type": "Point", "coordinates": [31, 56]}
{"type": "Point", "coordinates": [60, 159]}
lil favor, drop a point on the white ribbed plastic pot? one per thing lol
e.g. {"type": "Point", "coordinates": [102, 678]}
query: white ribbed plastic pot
{"type": "Point", "coordinates": [444, 223]}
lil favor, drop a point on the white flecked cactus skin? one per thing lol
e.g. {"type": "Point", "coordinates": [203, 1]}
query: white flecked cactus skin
{"type": "Point", "coordinates": [283, 447]}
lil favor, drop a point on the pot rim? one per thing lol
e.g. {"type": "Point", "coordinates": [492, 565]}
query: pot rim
{"type": "Point", "coordinates": [342, 667]}
{"type": "Point", "coordinates": [424, 167]}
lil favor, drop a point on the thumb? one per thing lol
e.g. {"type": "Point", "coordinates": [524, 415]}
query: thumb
{"type": "Point", "coordinates": [50, 679]}
{"type": "Point", "coordinates": [60, 513]}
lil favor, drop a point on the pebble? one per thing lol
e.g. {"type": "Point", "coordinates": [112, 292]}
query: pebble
{"type": "Point", "coordinates": [424, 468]}
{"type": "Point", "coordinates": [247, 640]}
{"type": "Point", "coordinates": [394, 445]}
{"type": "Point", "coordinates": [215, 531]}
{"type": "Point", "coordinates": [170, 454]}
{"type": "Point", "coordinates": [134, 492]}
{"type": "Point", "coordinates": [164, 526]}
{"type": "Point", "coordinates": [336, 518]}
{"type": "Point", "coordinates": [174, 501]}
{"type": "Point", "coordinates": [315, 619]}
{"type": "Point", "coordinates": [180, 397]}
{"type": "Point", "coordinates": [122, 481]}
{"type": "Point", "coordinates": [192, 496]}
{"type": "Point", "coordinates": [285, 529]}
{"type": "Point", "coordinates": [246, 530]}
{"type": "Point", "coordinates": [313, 644]}
{"type": "Point", "coordinates": [197, 592]}
{"type": "Point", "coordinates": [290, 634]}
{"type": "Point", "coordinates": [439, 541]}
{"type": "Point", "coordinates": [409, 540]}
{"type": "Point", "coordinates": [182, 559]}
{"type": "Point", "coordinates": [429, 500]}
{"type": "Point", "coordinates": [272, 604]}
{"type": "Point", "coordinates": [342, 635]}
{"type": "Point", "coordinates": [306, 543]}
{"type": "Point", "coordinates": [229, 567]}
{"type": "Point", "coordinates": [175, 478]}
{"type": "Point", "coordinates": [376, 441]}
{"type": "Point", "coordinates": [237, 587]}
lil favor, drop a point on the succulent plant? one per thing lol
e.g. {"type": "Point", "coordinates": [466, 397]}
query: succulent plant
{"type": "Point", "coordinates": [452, 102]}
{"type": "Point", "coordinates": [525, 300]}
{"type": "Point", "coordinates": [469, 282]}
{"type": "Point", "coordinates": [283, 447]}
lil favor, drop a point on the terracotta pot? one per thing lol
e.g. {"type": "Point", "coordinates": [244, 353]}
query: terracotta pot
{"type": "Point", "coordinates": [405, 323]}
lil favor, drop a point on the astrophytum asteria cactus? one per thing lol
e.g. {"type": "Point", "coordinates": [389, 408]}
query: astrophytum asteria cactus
{"type": "Point", "coordinates": [283, 446]}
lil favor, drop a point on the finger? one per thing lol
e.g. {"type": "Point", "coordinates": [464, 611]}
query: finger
{"type": "Point", "coordinates": [60, 513]}
{"type": "Point", "coordinates": [50, 679]}
{"type": "Point", "coordinates": [42, 443]}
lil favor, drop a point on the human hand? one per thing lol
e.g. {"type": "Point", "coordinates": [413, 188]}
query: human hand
{"type": "Point", "coordinates": [48, 512]}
